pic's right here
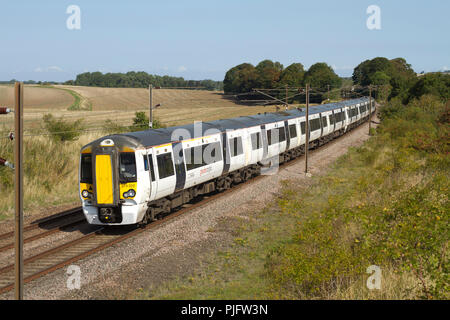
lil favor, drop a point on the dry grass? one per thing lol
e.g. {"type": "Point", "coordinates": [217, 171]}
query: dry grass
{"type": "Point", "coordinates": [53, 181]}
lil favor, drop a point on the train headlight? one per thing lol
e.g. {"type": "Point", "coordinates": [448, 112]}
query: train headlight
{"type": "Point", "coordinates": [129, 194]}
{"type": "Point", "coordinates": [85, 194]}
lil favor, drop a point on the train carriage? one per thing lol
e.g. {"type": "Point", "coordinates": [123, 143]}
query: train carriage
{"type": "Point", "coordinates": [136, 177]}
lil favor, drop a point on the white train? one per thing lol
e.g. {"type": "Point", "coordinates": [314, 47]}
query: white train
{"type": "Point", "coordinates": [136, 177]}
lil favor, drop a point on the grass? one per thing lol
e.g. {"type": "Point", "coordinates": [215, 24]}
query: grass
{"type": "Point", "coordinates": [50, 173]}
{"type": "Point", "coordinates": [80, 103]}
{"type": "Point", "coordinates": [385, 204]}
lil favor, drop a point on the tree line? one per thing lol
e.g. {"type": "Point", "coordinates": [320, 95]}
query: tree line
{"type": "Point", "coordinates": [267, 74]}
{"type": "Point", "coordinates": [396, 79]}
{"type": "Point", "coordinates": [140, 79]}
{"type": "Point", "coordinates": [391, 79]}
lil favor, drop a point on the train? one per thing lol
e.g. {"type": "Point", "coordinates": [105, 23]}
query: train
{"type": "Point", "coordinates": [138, 177]}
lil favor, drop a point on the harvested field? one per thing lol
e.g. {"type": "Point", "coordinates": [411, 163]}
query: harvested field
{"type": "Point", "coordinates": [120, 104]}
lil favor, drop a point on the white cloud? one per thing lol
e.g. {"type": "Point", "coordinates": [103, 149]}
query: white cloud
{"type": "Point", "coordinates": [48, 69]}
{"type": "Point", "coordinates": [54, 68]}
{"type": "Point", "coordinates": [182, 69]}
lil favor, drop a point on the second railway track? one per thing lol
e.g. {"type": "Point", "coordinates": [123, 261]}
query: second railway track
{"type": "Point", "coordinates": [44, 227]}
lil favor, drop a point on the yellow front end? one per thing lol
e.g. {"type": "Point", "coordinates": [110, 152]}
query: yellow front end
{"type": "Point", "coordinates": [104, 179]}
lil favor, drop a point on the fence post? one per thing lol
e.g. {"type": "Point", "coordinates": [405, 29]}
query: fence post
{"type": "Point", "coordinates": [18, 161]}
{"type": "Point", "coordinates": [307, 129]}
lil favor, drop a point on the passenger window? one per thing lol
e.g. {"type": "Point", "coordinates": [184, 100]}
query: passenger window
{"type": "Point", "coordinates": [146, 166]}
{"type": "Point", "coordinates": [165, 165]}
{"type": "Point", "coordinates": [292, 131]}
{"type": "Point", "coordinates": [324, 122]}
{"type": "Point", "coordinates": [314, 124]}
{"type": "Point", "coordinates": [256, 140]}
{"type": "Point", "coordinates": [152, 168]}
{"type": "Point", "coordinates": [145, 162]}
{"type": "Point", "coordinates": [236, 146]}
{"type": "Point", "coordinates": [269, 137]}
{"type": "Point", "coordinates": [331, 119]}
{"type": "Point", "coordinates": [209, 153]}
{"type": "Point", "coordinates": [281, 134]}
{"type": "Point", "coordinates": [303, 127]}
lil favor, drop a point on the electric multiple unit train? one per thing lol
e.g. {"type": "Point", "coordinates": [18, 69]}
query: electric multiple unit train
{"type": "Point", "coordinates": [136, 177]}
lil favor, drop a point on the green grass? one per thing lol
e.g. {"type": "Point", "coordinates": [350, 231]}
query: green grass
{"type": "Point", "coordinates": [79, 104]}
{"type": "Point", "coordinates": [384, 203]}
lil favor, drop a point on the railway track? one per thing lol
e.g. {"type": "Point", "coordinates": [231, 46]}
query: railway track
{"type": "Point", "coordinates": [44, 227]}
{"type": "Point", "coordinates": [102, 238]}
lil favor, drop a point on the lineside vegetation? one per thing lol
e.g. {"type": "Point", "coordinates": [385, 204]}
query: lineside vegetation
{"type": "Point", "coordinates": [384, 203]}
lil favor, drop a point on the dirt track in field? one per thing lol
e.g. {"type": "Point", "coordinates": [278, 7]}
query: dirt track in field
{"type": "Point", "coordinates": [177, 248]}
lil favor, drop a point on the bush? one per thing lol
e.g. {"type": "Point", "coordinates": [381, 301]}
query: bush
{"type": "Point", "coordinates": [140, 123]}
{"type": "Point", "coordinates": [385, 203]}
{"type": "Point", "coordinates": [61, 130]}
{"type": "Point", "coordinates": [141, 120]}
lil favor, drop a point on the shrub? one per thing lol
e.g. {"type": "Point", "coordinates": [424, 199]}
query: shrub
{"type": "Point", "coordinates": [141, 120]}
{"type": "Point", "coordinates": [61, 130]}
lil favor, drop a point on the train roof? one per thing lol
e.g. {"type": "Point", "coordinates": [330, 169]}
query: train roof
{"type": "Point", "coordinates": [154, 137]}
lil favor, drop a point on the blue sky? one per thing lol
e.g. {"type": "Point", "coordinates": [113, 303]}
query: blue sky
{"type": "Point", "coordinates": [200, 39]}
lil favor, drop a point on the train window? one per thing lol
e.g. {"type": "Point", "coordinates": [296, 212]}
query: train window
{"type": "Point", "coordinates": [193, 157]}
{"type": "Point", "coordinates": [86, 168]}
{"type": "Point", "coordinates": [256, 140]}
{"type": "Point", "coordinates": [331, 119]}
{"type": "Point", "coordinates": [211, 153]}
{"type": "Point", "coordinates": [292, 131]}
{"type": "Point", "coordinates": [146, 166]}
{"type": "Point", "coordinates": [127, 167]}
{"type": "Point", "coordinates": [303, 127]}
{"type": "Point", "coordinates": [314, 124]}
{"type": "Point", "coordinates": [236, 146]}
{"type": "Point", "coordinates": [281, 134]}
{"type": "Point", "coordinates": [203, 155]}
{"type": "Point", "coordinates": [152, 168]}
{"type": "Point", "coordinates": [269, 137]}
{"type": "Point", "coordinates": [165, 165]}
{"type": "Point", "coordinates": [273, 136]}
{"type": "Point", "coordinates": [145, 162]}
{"type": "Point", "coordinates": [324, 122]}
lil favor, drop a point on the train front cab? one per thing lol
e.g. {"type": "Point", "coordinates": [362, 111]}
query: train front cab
{"type": "Point", "coordinates": [109, 184]}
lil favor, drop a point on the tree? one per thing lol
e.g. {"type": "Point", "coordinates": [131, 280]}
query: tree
{"type": "Point", "coordinates": [378, 70]}
{"type": "Point", "coordinates": [437, 84]}
{"type": "Point", "coordinates": [293, 75]}
{"type": "Point", "coordinates": [320, 75]}
{"type": "Point", "coordinates": [240, 79]}
{"type": "Point", "coordinates": [269, 73]}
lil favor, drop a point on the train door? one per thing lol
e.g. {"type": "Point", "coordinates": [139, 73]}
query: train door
{"type": "Point", "coordinates": [165, 175]}
{"type": "Point", "coordinates": [180, 169]}
{"type": "Point", "coordinates": [151, 174]}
